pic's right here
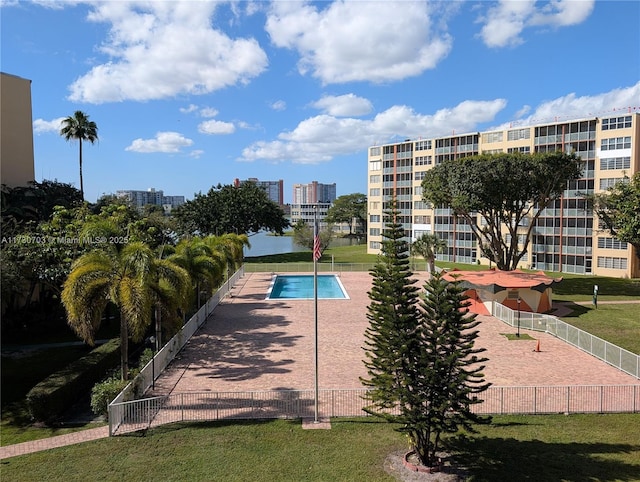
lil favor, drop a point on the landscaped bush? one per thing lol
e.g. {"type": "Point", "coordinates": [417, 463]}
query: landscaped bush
{"type": "Point", "coordinates": [104, 392]}
{"type": "Point", "coordinates": [51, 397]}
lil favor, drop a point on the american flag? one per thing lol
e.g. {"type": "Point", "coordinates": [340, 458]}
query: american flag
{"type": "Point", "coordinates": [316, 243]}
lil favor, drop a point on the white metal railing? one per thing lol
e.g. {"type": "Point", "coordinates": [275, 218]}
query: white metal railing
{"type": "Point", "coordinates": [612, 354]}
{"type": "Point", "coordinates": [152, 370]}
{"type": "Point", "coordinates": [293, 404]}
{"type": "Point", "coordinates": [306, 267]}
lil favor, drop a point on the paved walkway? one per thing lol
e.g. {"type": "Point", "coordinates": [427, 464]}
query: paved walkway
{"type": "Point", "coordinates": [250, 343]}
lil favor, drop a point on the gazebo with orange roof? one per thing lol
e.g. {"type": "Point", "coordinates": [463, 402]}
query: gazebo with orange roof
{"type": "Point", "coordinates": [534, 290]}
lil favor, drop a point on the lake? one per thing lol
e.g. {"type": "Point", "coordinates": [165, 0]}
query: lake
{"type": "Point", "coordinates": [264, 244]}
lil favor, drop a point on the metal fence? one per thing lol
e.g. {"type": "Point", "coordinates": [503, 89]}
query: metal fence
{"type": "Point", "coordinates": [152, 370]}
{"type": "Point", "coordinates": [295, 404]}
{"type": "Point", "coordinates": [608, 352]}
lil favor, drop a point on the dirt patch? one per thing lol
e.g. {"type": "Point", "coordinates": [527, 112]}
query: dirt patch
{"type": "Point", "coordinates": [395, 467]}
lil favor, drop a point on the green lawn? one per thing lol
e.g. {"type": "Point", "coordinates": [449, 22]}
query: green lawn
{"type": "Point", "coordinates": [617, 323]}
{"type": "Point", "coordinates": [540, 448]}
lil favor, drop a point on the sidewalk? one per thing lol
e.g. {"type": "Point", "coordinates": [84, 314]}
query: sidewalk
{"type": "Point", "coordinates": [53, 442]}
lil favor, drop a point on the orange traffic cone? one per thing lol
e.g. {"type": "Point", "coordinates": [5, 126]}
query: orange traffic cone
{"type": "Point", "coordinates": [537, 347]}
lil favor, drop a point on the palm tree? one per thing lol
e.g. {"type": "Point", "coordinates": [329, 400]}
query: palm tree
{"type": "Point", "coordinates": [232, 246]}
{"type": "Point", "coordinates": [78, 126]}
{"type": "Point", "coordinates": [427, 246]}
{"type": "Point", "coordinates": [204, 264]}
{"type": "Point", "coordinates": [133, 279]}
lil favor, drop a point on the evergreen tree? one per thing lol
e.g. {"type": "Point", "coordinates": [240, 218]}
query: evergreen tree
{"type": "Point", "coordinates": [393, 318]}
{"type": "Point", "coordinates": [420, 356]}
{"type": "Point", "coordinates": [446, 376]}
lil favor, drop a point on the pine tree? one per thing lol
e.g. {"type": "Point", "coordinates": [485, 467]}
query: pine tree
{"type": "Point", "coordinates": [393, 317]}
{"type": "Point", "coordinates": [446, 377]}
{"type": "Point", "coordinates": [423, 369]}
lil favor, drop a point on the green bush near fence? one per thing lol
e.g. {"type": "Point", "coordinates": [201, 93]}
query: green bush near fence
{"type": "Point", "coordinates": [51, 397]}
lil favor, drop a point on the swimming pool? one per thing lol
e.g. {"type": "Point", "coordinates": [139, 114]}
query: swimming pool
{"type": "Point", "coordinates": [292, 287]}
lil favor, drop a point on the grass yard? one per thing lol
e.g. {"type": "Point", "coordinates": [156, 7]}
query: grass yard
{"type": "Point", "coordinates": [617, 323]}
{"type": "Point", "coordinates": [541, 448]}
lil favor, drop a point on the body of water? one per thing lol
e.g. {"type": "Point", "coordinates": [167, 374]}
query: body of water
{"type": "Point", "coordinates": [264, 244]}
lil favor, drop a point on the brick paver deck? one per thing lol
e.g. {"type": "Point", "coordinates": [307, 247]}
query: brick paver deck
{"type": "Point", "coordinates": [250, 343]}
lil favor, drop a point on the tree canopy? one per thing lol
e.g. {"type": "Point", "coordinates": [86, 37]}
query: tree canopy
{"type": "Point", "coordinates": [303, 235]}
{"type": "Point", "coordinates": [619, 211]}
{"type": "Point", "coordinates": [508, 191]}
{"type": "Point", "coordinates": [244, 209]}
{"type": "Point", "coordinates": [347, 208]}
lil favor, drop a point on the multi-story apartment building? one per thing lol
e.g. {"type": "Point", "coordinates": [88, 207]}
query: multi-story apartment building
{"type": "Point", "coordinates": [314, 192]}
{"type": "Point", "coordinates": [567, 236]}
{"type": "Point", "coordinates": [16, 131]}
{"type": "Point", "coordinates": [309, 197]}
{"type": "Point", "coordinates": [140, 199]}
{"type": "Point", "coordinates": [274, 189]}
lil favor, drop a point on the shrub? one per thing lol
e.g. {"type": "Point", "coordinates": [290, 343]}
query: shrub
{"type": "Point", "coordinates": [52, 396]}
{"type": "Point", "coordinates": [104, 392]}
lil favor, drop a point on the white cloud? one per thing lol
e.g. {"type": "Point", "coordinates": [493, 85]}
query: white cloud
{"type": "Point", "coordinates": [572, 106]}
{"type": "Point", "coordinates": [279, 105]}
{"type": "Point", "coordinates": [40, 126]}
{"type": "Point", "coordinates": [196, 153]}
{"type": "Point", "coordinates": [169, 142]}
{"type": "Point", "coordinates": [321, 138]}
{"type": "Point", "coordinates": [208, 112]}
{"type": "Point", "coordinates": [188, 110]}
{"type": "Point", "coordinates": [216, 127]}
{"type": "Point", "coordinates": [344, 105]}
{"type": "Point", "coordinates": [359, 41]}
{"type": "Point", "coordinates": [505, 21]}
{"type": "Point", "coordinates": [161, 49]}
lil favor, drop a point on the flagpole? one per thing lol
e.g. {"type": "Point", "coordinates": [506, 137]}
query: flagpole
{"type": "Point", "coordinates": [316, 238]}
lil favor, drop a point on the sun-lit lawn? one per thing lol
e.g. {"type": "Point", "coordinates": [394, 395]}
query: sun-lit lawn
{"type": "Point", "coordinates": [541, 448]}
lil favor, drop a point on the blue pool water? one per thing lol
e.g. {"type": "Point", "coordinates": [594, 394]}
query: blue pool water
{"type": "Point", "coordinates": [301, 287]}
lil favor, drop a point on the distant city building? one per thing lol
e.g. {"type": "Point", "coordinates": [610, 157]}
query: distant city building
{"type": "Point", "coordinates": [140, 199]}
{"type": "Point", "coordinates": [16, 131]}
{"type": "Point", "coordinates": [314, 192]}
{"type": "Point", "coordinates": [274, 189]}
{"type": "Point", "coordinates": [306, 197]}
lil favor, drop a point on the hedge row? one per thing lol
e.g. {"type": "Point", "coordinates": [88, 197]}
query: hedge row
{"type": "Point", "coordinates": [55, 394]}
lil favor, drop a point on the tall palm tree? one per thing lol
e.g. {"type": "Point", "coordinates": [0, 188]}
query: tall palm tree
{"type": "Point", "coordinates": [231, 245]}
{"type": "Point", "coordinates": [79, 127]}
{"type": "Point", "coordinates": [130, 278]}
{"type": "Point", "coordinates": [427, 246]}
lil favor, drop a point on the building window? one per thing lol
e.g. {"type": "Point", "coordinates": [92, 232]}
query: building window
{"type": "Point", "coordinates": [615, 143]}
{"type": "Point", "coordinates": [374, 244]}
{"type": "Point", "coordinates": [607, 182]}
{"type": "Point", "coordinates": [417, 190]}
{"type": "Point", "coordinates": [374, 205]}
{"type": "Point", "coordinates": [608, 163]}
{"type": "Point", "coordinates": [419, 175]}
{"type": "Point", "coordinates": [517, 134]}
{"type": "Point", "coordinates": [423, 145]}
{"type": "Point", "coordinates": [523, 149]}
{"type": "Point", "coordinates": [492, 151]}
{"type": "Point", "coordinates": [374, 191]}
{"type": "Point", "coordinates": [375, 165]}
{"type": "Point", "coordinates": [611, 243]}
{"type": "Point", "coordinates": [423, 161]}
{"type": "Point", "coordinates": [374, 231]}
{"type": "Point", "coordinates": [490, 137]}
{"type": "Point", "coordinates": [374, 218]}
{"type": "Point", "coordinates": [612, 263]}
{"type": "Point", "coordinates": [422, 219]}
{"type": "Point", "coordinates": [616, 123]}
{"type": "Point", "coordinates": [421, 205]}
{"type": "Point", "coordinates": [374, 178]}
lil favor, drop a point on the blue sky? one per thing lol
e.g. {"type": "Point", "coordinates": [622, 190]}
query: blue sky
{"type": "Point", "coordinates": [189, 94]}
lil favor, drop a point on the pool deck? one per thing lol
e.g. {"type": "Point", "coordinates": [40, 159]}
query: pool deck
{"type": "Point", "coordinates": [250, 343]}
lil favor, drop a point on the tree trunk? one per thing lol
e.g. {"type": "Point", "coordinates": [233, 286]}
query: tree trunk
{"type": "Point", "coordinates": [124, 347]}
{"type": "Point", "coordinates": [81, 184]}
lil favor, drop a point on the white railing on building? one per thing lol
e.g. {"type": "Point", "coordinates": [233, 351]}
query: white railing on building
{"type": "Point", "coordinates": [299, 404]}
{"type": "Point", "coordinates": [618, 357]}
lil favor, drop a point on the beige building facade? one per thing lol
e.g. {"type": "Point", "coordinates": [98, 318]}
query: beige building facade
{"type": "Point", "coordinates": [567, 237]}
{"type": "Point", "coordinates": [16, 131]}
